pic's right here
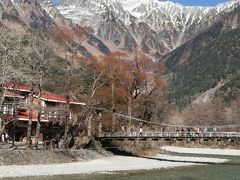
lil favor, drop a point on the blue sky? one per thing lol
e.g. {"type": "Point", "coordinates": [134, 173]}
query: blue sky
{"type": "Point", "coordinates": [190, 2]}
{"type": "Point", "coordinates": [54, 1]}
{"type": "Point", "coordinates": [199, 2]}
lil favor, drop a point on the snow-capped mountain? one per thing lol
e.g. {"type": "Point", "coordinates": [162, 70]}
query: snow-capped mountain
{"type": "Point", "coordinates": [59, 33]}
{"type": "Point", "coordinates": [157, 27]}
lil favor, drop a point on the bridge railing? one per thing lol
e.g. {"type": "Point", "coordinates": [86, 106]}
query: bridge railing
{"type": "Point", "coordinates": [172, 135]}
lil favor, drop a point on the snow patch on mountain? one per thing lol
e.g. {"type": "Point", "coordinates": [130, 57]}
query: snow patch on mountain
{"type": "Point", "coordinates": [173, 22]}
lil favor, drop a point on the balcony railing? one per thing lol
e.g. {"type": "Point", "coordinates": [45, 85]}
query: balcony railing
{"type": "Point", "coordinates": [8, 110]}
{"type": "Point", "coordinates": [57, 116]}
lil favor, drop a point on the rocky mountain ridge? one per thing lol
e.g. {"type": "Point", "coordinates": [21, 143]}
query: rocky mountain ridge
{"type": "Point", "coordinates": [157, 27]}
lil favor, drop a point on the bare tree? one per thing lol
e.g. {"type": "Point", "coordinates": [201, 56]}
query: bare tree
{"type": "Point", "coordinates": [36, 66]}
{"type": "Point", "coordinates": [11, 54]}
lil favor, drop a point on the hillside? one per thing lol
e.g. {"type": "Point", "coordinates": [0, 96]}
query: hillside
{"type": "Point", "coordinates": [210, 59]}
{"type": "Point", "coordinates": [216, 61]}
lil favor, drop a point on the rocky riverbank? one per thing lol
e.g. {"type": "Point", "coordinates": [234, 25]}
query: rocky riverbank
{"type": "Point", "coordinates": [25, 157]}
{"type": "Point", "coordinates": [20, 155]}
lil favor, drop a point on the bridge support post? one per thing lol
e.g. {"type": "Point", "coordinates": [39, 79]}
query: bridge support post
{"type": "Point", "coordinates": [150, 143]}
{"type": "Point", "coordinates": [114, 122]}
{"type": "Point", "coordinates": [137, 140]}
{"type": "Point", "coordinates": [89, 126]}
{"type": "Point", "coordinates": [100, 124]}
{"type": "Point", "coordinates": [237, 142]}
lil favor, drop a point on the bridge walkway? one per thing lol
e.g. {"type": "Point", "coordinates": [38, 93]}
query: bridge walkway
{"type": "Point", "coordinates": [170, 135]}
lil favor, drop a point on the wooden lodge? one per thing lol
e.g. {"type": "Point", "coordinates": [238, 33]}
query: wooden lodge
{"type": "Point", "coordinates": [52, 110]}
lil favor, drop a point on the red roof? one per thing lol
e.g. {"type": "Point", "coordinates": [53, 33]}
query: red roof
{"type": "Point", "coordinates": [46, 96]}
{"type": "Point", "coordinates": [18, 87]}
{"type": "Point", "coordinates": [12, 94]}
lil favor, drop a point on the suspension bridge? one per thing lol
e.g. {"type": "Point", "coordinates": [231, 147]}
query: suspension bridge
{"type": "Point", "coordinates": [173, 132]}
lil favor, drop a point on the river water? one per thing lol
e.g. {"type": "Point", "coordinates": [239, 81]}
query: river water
{"type": "Point", "coordinates": [229, 171]}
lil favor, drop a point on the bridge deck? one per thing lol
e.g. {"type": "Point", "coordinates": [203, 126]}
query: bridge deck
{"type": "Point", "coordinates": [172, 135]}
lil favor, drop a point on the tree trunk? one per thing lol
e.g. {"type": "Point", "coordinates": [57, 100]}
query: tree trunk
{"type": "Point", "coordinates": [88, 118]}
{"type": "Point", "coordinates": [29, 130]}
{"type": "Point", "coordinates": [14, 126]}
{"type": "Point", "coordinates": [2, 122]}
{"type": "Point", "coordinates": [2, 126]}
{"type": "Point", "coordinates": [67, 122]}
{"type": "Point", "coordinates": [38, 127]}
{"type": "Point", "coordinates": [66, 131]}
{"type": "Point", "coordinates": [69, 75]}
{"type": "Point", "coordinates": [129, 113]}
{"type": "Point", "coordinates": [114, 120]}
{"type": "Point", "coordinates": [13, 132]}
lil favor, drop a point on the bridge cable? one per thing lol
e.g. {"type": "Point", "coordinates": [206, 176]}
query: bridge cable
{"type": "Point", "coordinates": [170, 125]}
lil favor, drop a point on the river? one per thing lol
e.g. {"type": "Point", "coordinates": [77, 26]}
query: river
{"type": "Point", "coordinates": [214, 172]}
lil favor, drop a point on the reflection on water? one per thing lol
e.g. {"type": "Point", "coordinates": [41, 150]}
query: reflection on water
{"type": "Point", "coordinates": [230, 171]}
